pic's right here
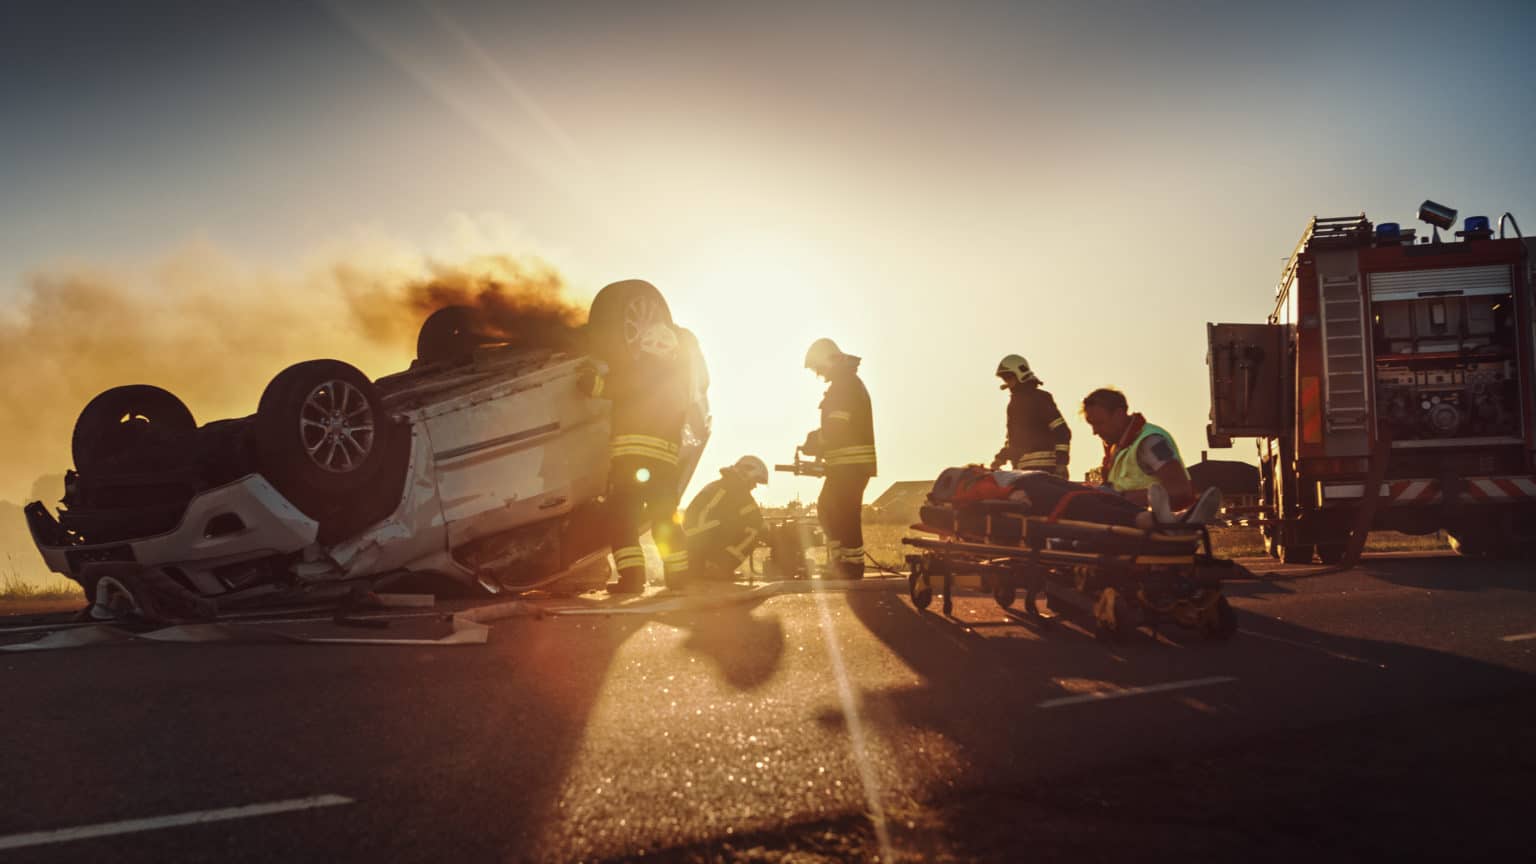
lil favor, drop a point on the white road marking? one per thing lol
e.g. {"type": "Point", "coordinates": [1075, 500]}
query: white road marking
{"type": "Point", "coordinates": [1334, 654]}
{"type": "Point", "coordinates": [155, 823]}
{"type": "Point", "coordinates": [1518, 637]}
{"type": "Point", "coordinates": [1133, 691]}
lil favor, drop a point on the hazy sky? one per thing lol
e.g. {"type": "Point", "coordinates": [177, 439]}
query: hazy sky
{"type": "Point", "coordinates": [932, 185]}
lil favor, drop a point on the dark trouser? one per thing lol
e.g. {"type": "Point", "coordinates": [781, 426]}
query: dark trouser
{"type": "Point", "coordinates": [642, 490]}
{"type": "Point", "coordinates": [1046, 491]}
{"type": "Point", "coordinates": [708, 559]}
{"type": "Point", "coordinates": [840, 509]}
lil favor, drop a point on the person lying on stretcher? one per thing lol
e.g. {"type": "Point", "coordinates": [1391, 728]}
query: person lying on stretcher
{"type": "Point", "coordinates": [1040, 493]}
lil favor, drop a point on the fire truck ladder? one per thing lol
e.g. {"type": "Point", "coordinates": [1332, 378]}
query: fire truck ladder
{"type": "Point", "coordinates": [1323, 232]}
{"type": "Point", "coordinates": [1345, 406]}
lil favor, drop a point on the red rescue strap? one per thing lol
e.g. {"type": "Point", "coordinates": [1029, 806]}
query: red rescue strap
{"type": "Point", "coordinates": [1061, 506]}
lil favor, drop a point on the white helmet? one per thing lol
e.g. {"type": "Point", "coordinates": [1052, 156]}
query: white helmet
{"type": "Point", "coordinates": [751, 468]}
{"type": "Point", "coordinates": [822, 354]}
{"type": "Point", "coordinates": [1016, 366]}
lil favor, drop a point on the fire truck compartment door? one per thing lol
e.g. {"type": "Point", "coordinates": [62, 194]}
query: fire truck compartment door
{"type": "Point", "coordinates": [1449, 282]}
{"type": "Point", "coordinates": [1247, 365]}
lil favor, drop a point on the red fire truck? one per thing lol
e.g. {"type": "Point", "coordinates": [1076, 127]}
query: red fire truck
{"type": "Point", "coordinates": [1409, 360]}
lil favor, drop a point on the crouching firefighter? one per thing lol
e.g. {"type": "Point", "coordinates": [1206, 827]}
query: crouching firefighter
{"type": "Point", "coordinates": [1038, 437]}
{"type": "Point", "coordinates": [846, 443]}
{"type": "Point", "coordinates": [723, 522]}
{"type": "Point", "coordinates": [650, 396]}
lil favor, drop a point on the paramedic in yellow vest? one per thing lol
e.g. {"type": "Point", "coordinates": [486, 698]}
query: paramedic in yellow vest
{"type": "Point", "coordinates": [723, 522]}
{"type": "Point", "coordinates": [650, 407]}
{"type": "Point", "coordinates": [1038, 438]}
{"type": "Point", "coordinates": [1136, 453]}
{"type": "Point", "coordinates": [846, 442]}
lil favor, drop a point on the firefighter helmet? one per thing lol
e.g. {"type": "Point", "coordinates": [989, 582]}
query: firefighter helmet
{"type": "Point", "coordinates": [822, 354]}
{"type": "Point", "coordinates": [1016, 366]}
{"type": "Point", "coordinates": [751, 468]}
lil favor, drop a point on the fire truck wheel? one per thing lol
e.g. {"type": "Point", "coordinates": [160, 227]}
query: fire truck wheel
{"type": "Point", "coordinates": [1295, 553]}
{"type": "Point", "coordinates": [1331, 553]}
{"type": "Point", "coordinates": [1271, 544]}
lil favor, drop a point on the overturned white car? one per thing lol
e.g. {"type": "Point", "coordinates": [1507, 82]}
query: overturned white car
{"type": "Point", "coordinates": [483, 463]}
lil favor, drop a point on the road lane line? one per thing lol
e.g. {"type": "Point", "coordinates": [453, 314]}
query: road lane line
{"type": "Point", "coordinates": [1133, 691]}
{"type": "Point", "coordinates": [1321, 650]}
{"type": "Point", "coordinates": [154, 823]}
{"type": "Point", "coordinates": [1518, 637]}
{"type": "Point", "coordinates": [846, 695]}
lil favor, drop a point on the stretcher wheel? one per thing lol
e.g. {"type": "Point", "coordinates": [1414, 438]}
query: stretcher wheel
{"type": "Point", "coordinates": [1112, 615]}
{"type": "Point", "coordinates": [1032, 603]}
{"type": "Point", "coordinates": [1219, 621]}
{"type": "Point", "coordinates": [1005, 595]}
{"type": "Point", "coordinates": [917, 586]}
{"type": "Point", "coordinates": [922, 596]}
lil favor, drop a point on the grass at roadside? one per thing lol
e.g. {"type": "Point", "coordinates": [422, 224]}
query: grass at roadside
{"type": "Point", "coordinates": [1247, 542]}
{"type": "Point", "coordinates": [15, 589]}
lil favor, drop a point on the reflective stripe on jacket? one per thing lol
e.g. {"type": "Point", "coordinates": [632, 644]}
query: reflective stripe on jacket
{"type": "Point", "coordinates": [1038, 436]}
{"type": "Point", "coordinates": [848, 425]}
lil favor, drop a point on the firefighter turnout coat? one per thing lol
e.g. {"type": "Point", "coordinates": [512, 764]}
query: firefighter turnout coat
{"type": "Point", "coordinates": [723, 523]}
{"type": "Point", "coordinates": [1038, 436]}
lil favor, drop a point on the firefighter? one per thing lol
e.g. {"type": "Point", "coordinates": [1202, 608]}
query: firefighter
{"type": "Point", "coordinates": [1038, 437]}
{"type": "Point", "coordinates": [846, 443]}
{"type": "Point", "coordinates": [723, 523]}
{"type": "Point", "coordinates": [650, 396]}
{"type": "Point", "coordinates": [1137, 454]}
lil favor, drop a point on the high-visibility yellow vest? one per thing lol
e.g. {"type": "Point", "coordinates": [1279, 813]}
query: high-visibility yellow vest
{"type": "Point", "coordinates": [1125, 472]}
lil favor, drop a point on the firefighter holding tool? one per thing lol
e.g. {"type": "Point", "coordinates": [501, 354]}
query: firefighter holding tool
{"type": "Point", "coordinates": [845, 442]}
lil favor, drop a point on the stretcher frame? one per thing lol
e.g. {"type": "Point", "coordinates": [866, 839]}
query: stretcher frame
{"type": "Point", "coordinates": [1124, 588]}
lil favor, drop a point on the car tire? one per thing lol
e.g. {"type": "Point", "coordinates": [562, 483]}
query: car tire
{"type": "Point", "coordinates": [630, 321]}
{"type": "Point", "coordinates": [450, 335]}
{"type": "Point", "coordinates": [321, 437]}
{"type": "Point", "coordinates": [112, 421]}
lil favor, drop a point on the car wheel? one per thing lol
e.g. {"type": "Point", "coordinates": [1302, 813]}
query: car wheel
{"type": "Point", "coordinates": [320, 436]}
{"type": "Point", "coordinates": [630, 321]}
{"type": "Point", "coordinates": [450, 335]}
{"type": "Point", "coordinates": [111, 422]}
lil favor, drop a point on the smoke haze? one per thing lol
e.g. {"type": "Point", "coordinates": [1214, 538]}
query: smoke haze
{"type": "Point", "coordinates": [214, 330]}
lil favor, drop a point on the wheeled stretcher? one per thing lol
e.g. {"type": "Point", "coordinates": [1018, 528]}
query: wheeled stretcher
{"type": "Point", "coordinates": [1126, 576]}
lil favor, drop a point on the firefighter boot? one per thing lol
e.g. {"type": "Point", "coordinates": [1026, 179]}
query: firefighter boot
{"type": "Point", "coordinates": [630, 562]}
{"type": "Point", "coordinates": [851, 565]}
{"type": "Point", "coordinates": [675, 567]}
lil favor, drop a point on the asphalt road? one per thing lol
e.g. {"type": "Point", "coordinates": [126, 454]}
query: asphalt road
{"type": "Point", "coordinates": [1385, 710]}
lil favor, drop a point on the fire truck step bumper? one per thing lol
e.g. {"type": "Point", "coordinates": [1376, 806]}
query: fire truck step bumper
{"type": "Point", "coordinates": [1409, 493]}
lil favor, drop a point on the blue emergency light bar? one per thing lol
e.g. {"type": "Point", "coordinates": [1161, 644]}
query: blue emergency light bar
{"type": "Point", "coordinates": [1475, 223]}
{"type": "Point", "coordinates": [1387, 232]}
